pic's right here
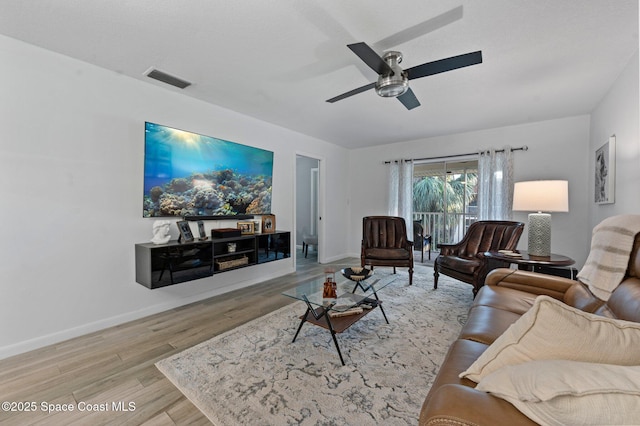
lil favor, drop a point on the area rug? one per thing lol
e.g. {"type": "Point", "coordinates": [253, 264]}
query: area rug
{"type": "Point", "coordinates": [255, 375]}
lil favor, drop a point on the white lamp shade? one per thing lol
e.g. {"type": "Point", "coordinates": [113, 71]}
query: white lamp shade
{"type": "Point", "coordinates": [541, 196]}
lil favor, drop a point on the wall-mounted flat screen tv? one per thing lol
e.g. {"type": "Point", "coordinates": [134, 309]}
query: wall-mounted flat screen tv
{"type": "Point", "coordinates": [187, 174]}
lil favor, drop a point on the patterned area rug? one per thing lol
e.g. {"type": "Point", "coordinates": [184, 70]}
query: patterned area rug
{"type": "Point", "coordinates": [254, 374]}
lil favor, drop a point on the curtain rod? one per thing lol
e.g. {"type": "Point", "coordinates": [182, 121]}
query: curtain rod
{"type": "Point", "coordinates": [522, 148]}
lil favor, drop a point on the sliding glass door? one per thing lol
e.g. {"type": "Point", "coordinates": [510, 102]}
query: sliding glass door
{"type": "Point", "coordinates": [445, 198]}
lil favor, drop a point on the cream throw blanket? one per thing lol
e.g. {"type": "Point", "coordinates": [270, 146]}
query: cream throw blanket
{"type": "Point", "coordinates": [611, 245]}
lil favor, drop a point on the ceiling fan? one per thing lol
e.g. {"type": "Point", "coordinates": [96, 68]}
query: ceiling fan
{"type": "Point", "coordinates": [393, 81]}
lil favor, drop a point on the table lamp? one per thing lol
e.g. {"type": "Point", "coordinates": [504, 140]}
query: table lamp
{"type": "Point", "coordinates": [541, 196]}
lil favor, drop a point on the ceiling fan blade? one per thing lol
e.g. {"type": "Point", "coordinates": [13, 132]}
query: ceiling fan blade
{"type": "Point", "coordinates": [411, 33]}
{"type": "Point", "coordinates": [444, 65]}
{"type": "Point", "coordinates": [370, 57]}
{"type": "Point", "coordinates": [409, 99]}
{"type": "Point", "coordinates": [352, 92]}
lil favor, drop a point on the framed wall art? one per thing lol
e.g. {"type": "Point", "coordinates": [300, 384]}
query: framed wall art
{"type": "Point", "coordinates": [605, 172]}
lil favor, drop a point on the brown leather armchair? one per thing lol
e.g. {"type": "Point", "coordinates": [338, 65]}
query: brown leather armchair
{"type": "Point", "coordinates": [464, 261]}
{"type": "Point", "coordinates": [385, 243]}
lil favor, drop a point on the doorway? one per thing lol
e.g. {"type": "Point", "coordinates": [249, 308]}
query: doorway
{"type": "Point", "coordinates": [307, 232]}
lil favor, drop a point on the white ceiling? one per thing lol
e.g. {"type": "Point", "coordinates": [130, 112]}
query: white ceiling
{"type": "Point", "coordinates": [279, 60]}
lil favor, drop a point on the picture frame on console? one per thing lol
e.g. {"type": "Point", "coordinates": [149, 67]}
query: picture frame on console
{"type": "Point", "coordinates": [201, 231]}
{"type": "Point", "coordinates": [246, 228]}
{"type": "Point", "coordinates": [186, 235]}
{"type": "Point", "coordinates": [605, 172]}
{"type": "Point", "coordinates": [268, 224]}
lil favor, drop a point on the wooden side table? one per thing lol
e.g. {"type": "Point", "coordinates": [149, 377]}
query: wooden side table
{"type": "Point", "coordinates": [526, 261]}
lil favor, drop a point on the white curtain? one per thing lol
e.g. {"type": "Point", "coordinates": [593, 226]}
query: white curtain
{"type": "Point", "coordinates": [401, 192]}
{"type": "Point", "coordinates": [495, 184]}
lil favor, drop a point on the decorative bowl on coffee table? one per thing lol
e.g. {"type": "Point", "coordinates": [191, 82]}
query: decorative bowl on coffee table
{"type": "Point", "coordinates": [356, 274]}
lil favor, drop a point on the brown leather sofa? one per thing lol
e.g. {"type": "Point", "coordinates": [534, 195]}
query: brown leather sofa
{"type": "Point", "coordinates": [506, 296]}
{"type": "Point", "coordinates": [464, 260]}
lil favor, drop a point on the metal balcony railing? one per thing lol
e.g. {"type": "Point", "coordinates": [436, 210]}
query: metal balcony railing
{"type": "Point", "coordinates": [444, 230]}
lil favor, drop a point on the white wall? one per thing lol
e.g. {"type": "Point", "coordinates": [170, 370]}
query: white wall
{"type": "Point", "coordinates": [558, 149]}
{"type": "Point", "coordinates": [71, 167]}
{"type": "Point", "coordinates": [618, 114]}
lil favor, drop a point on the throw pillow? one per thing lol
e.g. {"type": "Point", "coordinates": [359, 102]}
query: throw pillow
{"type": "Point", "coordinates": [554, 330]}
{"type": "Point", "coordinates": [560, 392]}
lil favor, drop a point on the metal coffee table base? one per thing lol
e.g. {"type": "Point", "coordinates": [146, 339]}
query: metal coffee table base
{"type": "Point", "coordinates": [320, 317]}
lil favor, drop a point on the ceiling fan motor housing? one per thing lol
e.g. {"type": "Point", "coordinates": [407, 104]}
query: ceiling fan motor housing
{"type": "Point", "coordinates": [395, 83]}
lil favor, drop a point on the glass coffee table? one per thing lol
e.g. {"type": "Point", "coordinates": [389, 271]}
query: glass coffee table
{"type": "Point", "coordinates": [355, 299]}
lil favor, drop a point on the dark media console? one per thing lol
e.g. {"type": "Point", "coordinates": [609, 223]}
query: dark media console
{"type": "Point", "coordinates": [174, 262]}
{"type": "Point", "coordinates": [220, 217]}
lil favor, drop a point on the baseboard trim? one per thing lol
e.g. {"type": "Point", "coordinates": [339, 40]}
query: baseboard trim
{"type": "Point", "coordinates": [339, 257]}
{"type": "Point", "coordinates": [63, 335]}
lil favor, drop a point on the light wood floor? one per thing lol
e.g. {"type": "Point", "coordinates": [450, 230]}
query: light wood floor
{"type": "Point", "coordinates": [116, 365]}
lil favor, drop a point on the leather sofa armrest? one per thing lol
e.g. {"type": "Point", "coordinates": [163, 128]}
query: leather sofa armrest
{"type": "Point", "coordinates": [459, 405]}
{"type": "Point", "coordinates": [531, 282]}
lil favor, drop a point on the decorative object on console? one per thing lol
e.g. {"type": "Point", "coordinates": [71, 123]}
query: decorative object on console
{"type": "Point", "coordinates": [232, 263]}
{"type": "Point", "coordinates": [201, 231]}
{"type": "Point", "coordinates": [187, 175]}
{"type": "Point", "coordinates": [185, 231]}
{"type": "Point", "coordinates": [161, 232]}
{"type": "Point", "coordinates": [268, 224]}
{"type": "Point", "coordinates": [246, 227]}
{"type": "Point", "coordinates": [225, 233]}
{"type": "Point", "coordinates": [605, 173]}
{"type": "Point", "coordinates": [539, 196]}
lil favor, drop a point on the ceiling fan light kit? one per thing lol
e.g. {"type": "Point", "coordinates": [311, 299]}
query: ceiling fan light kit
{"type": "Point", "coordinates": [395, 83]}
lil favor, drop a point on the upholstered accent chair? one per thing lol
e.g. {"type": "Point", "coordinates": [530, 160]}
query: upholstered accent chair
{"type": "Point", "coordinates": [385, 243]}
{"type": "Point", "coordinates": [465, 260]}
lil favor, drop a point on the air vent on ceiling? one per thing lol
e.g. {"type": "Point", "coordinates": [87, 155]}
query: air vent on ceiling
{"type": "Point", "coordinates": [167, 78]}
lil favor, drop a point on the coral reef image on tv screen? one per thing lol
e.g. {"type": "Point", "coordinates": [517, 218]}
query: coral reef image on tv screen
{"type": "Point", "coordinates": [187, 174]}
